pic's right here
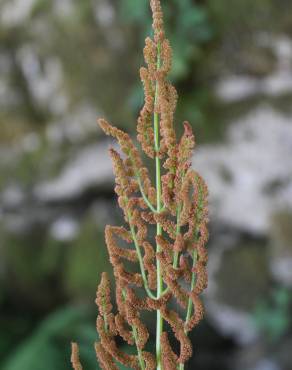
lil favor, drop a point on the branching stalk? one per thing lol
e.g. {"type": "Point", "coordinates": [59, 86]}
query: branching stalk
{"type": "Point", "coordinates": [190, 302]}
{"type": "Point", "coordinates": [104, 316]}
{"type": "Point", "coordinates": [140, 258]}
{"type": "Point", "coordinates": [135, 336]}
{"type": "Point", "coordinates": [140, 357]}
{"type": "Point", "coordinates": [159, 319]}
{"type": "Point", "coordinates": [177, 190]}
{"type": "Point", "coordinates": [193, 281]}
{"type": "Point", "coordinates": [176, 254]}
{"type": "Point", "coordinates": [146, 200]}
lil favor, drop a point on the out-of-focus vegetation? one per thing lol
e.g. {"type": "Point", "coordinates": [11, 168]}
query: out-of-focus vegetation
{"type": "Point", "coordinates": [47, 346]}
{"type": "Point", "coordinates": [62, 64]}
{"type": "Point", "coordinates": [273, 316]}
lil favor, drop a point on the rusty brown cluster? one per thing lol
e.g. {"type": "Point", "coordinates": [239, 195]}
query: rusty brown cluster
{"type": "Point", "coordinates": [183, 219]}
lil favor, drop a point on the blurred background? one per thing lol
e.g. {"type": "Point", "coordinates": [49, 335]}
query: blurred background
{"type": "Point", "coordinates": [63, 63]}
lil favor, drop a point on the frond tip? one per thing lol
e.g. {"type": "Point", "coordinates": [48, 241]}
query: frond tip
{"type": "Point", "coordinates": [75, 357]}
{"type": "Point", "coordinates": [103, 299]}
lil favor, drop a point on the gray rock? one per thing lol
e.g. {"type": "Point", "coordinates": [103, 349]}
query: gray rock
{"type": "Point", "coordinates": [250, 175]}
{"type": "Point", "coordinates": [90, 168]}
{"type": "Point", "coordinates": [236, 88]}
{"type": "Point", "coordinates": [281, 247]}
{"type": "Point", "coordinates": [266, 364]}
{"type": "Point", "coordinates": [16, 12]}
{"type": "Point", "coordinates": [65, 228]}
{"type": "Point", "coordinates": [77, 126]}
{"type": "Point", "coordinates": [12, 197]}
{"type": "Point", "coordinates": [238, 278]}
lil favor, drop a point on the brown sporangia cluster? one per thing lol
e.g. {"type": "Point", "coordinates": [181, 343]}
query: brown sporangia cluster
{"type": "Point", "coordinates": [75, 357]}
{"type": "Point", "coordinates": [179, 247]}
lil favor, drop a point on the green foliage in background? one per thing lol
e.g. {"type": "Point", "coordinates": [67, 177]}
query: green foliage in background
{"type": "Point", "coordinates": [48, 347]}
{"type": "Point", "coordinates": [187, 25]}
{"type": "Point", "coordinates": [273, 317]}
{"type": "Point", "coordinates": [86, 260]}
{"type": "Point", "coordinates": [34, 259]}
{"type": "Point", "coordinates": [46, 273]}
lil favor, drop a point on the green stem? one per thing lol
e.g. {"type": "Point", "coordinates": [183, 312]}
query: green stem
{"type": "Point", "coordinates": [135, 336]}
{"type": "Point", "coordinates": [193, 282]}
{"type": "Point", "coordinates": [104, 317]}
{"type": "Point", "coordinates": [140, 356]}
{"type": "Point", "coordinates": [176, 254]}
{"type": "Point", "coordinates": [159, 319]}
{"type": "Point", "coordinates": [190, 302]}
{"type": "Point", "coordinates": [144, 196]}
{"type": "Point", "coordinates": [140, 258]}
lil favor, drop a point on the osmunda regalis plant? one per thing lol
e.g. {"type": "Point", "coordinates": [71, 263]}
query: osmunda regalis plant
{"type": "Point", "coordinates": [172, 264]}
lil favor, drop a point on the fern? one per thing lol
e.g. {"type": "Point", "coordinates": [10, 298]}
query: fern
{"type": "Point", "coordinates": [172, 265]}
